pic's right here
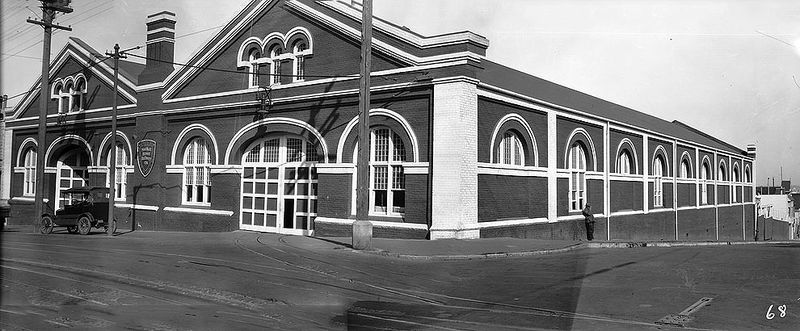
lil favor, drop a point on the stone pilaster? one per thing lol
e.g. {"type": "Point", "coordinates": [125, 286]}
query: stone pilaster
{"type": "Point", "coordinates": [455, 161]}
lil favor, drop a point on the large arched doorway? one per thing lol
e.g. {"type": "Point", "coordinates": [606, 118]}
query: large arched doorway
{"type": "Point", "coordinates": [71, 171]}
{"type": "Point", "coordinates": [279, 185]}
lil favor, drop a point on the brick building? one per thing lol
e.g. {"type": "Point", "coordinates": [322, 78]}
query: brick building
{"type": "Point", "coordinates": [461, 147]}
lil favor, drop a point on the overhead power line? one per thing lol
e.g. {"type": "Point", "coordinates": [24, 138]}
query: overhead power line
{"type": "Point", "coordinates": [94, 63]}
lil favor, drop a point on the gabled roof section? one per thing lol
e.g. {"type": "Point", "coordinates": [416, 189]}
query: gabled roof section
{"type": "Point", "coordinates": [399, 43]}
{"type": "Point", "coordinates": [91, 59]}
{"type": "Point", "coordinates": [537, 88]}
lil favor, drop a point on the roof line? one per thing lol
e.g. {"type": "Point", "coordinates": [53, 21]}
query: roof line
{"type": "Point", "coordinates": [715, 139]}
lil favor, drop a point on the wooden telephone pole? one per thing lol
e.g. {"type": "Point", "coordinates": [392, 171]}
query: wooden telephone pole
{"type": "Point", "coordinates": [362, 229]}
{"type": "Point", "coordinates": [112, 163]}
{"type": "Point", "coordinates": [49, 9]}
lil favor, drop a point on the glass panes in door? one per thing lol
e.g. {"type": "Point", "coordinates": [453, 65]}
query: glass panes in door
{"type": "Point", "coordinates": [279, 186]}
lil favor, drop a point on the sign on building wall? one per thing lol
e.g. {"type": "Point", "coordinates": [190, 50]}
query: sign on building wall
{"type": "Point", "coordinates": [145, 155]}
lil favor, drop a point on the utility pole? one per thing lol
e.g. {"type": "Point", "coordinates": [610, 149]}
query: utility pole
{"type": "Point", "coordinates": [49, 9]}
{"type": "Point", "coordinates": [112, 163]}
{"type": "Point", "coordinates": [362, 228]}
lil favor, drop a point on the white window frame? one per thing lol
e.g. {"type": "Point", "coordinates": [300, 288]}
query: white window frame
{"type": "Point", "coordinates": [511, 151]}
{"type": "Point", "coordinates": [576, 163]}
{"type": "Point", "coordinates": [254, 59]}
{"type": "Point", "coordinates": [705, 173]}
{"type": "Point", "coordinates": [685, 168]}
{"type": "Point", "coordinates": [735, 188]}
{"type": "Point", "coordinates": [624, 163]}
{"type": "Point", "coordinates": [120, 172]}
{"type": "Point", "coordinates": [30, 173]}
{"type": "Point", "coordinates": [658, 184]}
{"type": "Point", "coordinates": [275, 67]}
{"type": "Point", "coordinates": [192, 164]}
{"type": "Point", "coordinates": [394, 161]}
{"type": "Point", "coordinates": [299, 55]}
{"type": "Point", "coordinates": [77, 93]}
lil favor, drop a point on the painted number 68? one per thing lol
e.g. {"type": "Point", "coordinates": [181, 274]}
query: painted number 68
{"type": "Point", "coordinates": [781, 309]}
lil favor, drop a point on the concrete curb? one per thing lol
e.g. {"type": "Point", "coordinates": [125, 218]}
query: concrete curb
{"type": "Point", "coordinates": [567, 249]}
{"type": "Point", "coordinates": [470, 256]}
{"type": "Point", "coordinates": [682, 243]}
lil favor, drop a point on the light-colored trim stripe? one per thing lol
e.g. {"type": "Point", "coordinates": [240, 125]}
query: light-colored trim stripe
{"type": "Point", "coordinates": [509, 170]}
{"type": "Point", "coordinates": [379, 224]}
{"type": "Point", "coordinates": [162, 39]}
{"type": "Point", "coordinates": [137, 207]}
{"type": "Point", "coordinates": [199, 211]}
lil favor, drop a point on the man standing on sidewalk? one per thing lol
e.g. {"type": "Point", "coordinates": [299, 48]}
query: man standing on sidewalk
{"type": "Point", "coordinates": [589, 218]}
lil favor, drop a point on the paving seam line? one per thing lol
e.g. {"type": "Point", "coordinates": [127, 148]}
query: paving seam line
{"type": "Point", "coordinates": [469, 256]}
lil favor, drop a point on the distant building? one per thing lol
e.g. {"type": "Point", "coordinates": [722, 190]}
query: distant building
{"type": "Point", "coordinates": [462, 147]}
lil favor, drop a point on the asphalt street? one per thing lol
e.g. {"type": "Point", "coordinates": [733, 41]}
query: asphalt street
{"type": "Point", "coordinates": [246, 280]}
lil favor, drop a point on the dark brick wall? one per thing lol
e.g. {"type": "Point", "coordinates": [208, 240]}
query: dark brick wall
{"type": "Point", "coordinates": [730, 223]}
{"type": "Point", "coordinates": [509, 197]}
{"type": "Point", "coordinates": [667, 194]}
{"type": "Point", "coordinates": [594, 193]}
{"type": "Point", "coordinates": [175, 221]}
{"type": "Point", "coordinates": [561, 230]}
{"type": "Point", "coordinates": [335, 192]}
{"type": "Point", "coordinates": [723, 193]}
{"type": "Point", "coordinates": [416, 199]}
{"type": "Point", "coordinates": [687, 195]}
{"type": "Point", "coordinates": [697, 224]}
{"type": "Point", "coordinates": [749, 222]}
{"type": "Point", "coordinates": [748, 194]}
{"type": "Point", "coordinates": [333, 54]}
{"type": "Point", "coordinates": [626, 195]}
{"type": "Point", "coordinates": [771, 229]}
{"type": "Point", "coordinates": [651, 226]}
{"type": "Point", "coordinates": [491, 111]}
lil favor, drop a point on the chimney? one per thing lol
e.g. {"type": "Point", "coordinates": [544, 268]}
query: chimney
{"type": "Point", "coordinates": [160, 47]}
{"type": "Point", "coordinates": [751, 150]}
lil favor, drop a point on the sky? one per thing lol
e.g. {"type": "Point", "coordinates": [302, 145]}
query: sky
{"type": "Point", "coordinates": [729, 68]}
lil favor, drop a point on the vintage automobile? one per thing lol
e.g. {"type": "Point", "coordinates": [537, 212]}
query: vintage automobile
{"type": "Point", "coordinates": [85, 207]}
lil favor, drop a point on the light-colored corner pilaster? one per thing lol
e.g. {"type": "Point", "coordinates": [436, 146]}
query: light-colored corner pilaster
{"type": "Point", "coordinates": [454, 165]}
{"type": "Point", "coordinates": [715, 174]}
{"type": "Point", "coordinates": [552, 165]}
{"type": "Point", "coordinates": [5, 180]}
{"type": "Point", "coordinates": [675, 173]}
{"type": "Point", "coordinates": [697, 171]}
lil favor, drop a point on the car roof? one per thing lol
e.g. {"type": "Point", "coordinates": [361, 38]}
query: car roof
{"type": "Point", "coordinates": [85, 189]}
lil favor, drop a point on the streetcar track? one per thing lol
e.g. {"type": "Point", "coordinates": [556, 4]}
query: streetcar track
{"type": "Point", "coordinates": [95, 284]}
{"type": "Point", "coordinates": [58, 292]}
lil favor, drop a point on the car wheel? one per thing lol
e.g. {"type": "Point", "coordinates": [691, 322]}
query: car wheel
{"type": "Point", "coordinates": [46, 225]}
{"type": "Point", "coordinates": [72, 229]}
{"type": "Point", "coordinates": [112, 227]}
{"type": "Point", "coordinates": [84, 225]}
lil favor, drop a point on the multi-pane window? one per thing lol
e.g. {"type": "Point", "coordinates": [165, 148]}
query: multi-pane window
{"type": "Point", "coordinates": [275, 70]}
{"type": "Point", "coordinates": [387, 189]}
{"type": "Point", "coordinates": [685, 172]}
{"type": "Point", "coordinates": [254, 67]}
{"type": "Point", "coordinates": [77, 95]}
{"type": "Point", "coordinates": [30, 172]}
{"type": "Point", "coordinates": [624, 163]}
{"type": "Point", "coordinates": [705, 176]}
{"type": "Point", "coordinates": [735, 188]}
{"type": "Point", "coordinates": [576, 163]}
{"type": "Point", "coordinates": [197, 171]}
{"type": "Point", "coordinates": [747, 178]}
{"type": "Point", "coordinates": [658, 185]}
{"type": "Point", "coordinates": [299, 60]}
{"type": "Point", "coordinates": [120, 176]}
{"type": "Point", "coordinates": [511, 150]}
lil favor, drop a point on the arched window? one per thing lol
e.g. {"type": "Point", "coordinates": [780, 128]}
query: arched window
{"type": "Point", "coordinates": [66, 97]}
{"type": "Point", "coordinates": [77, 94]}
{"type": "Point", "coordinates": [120, 176]}
{"type": "Point", "coordinates": [387, 178]}
{"type": "Point", "coordinates": [511, 150]}
{"type": "Point", "coordinates": [685, 169]}
{"type": "Point", "coordinates": [197, 170]}
{"type": "Point", "coordinates": [577, 180]}
{"type": "Point", "coordinates": [299, 52]}
{"type": "Point", "coordinates": [723, 173]}
{"type": "Point", "coordinates": [30, 172]}
{"type": "Point", "coordinates": [624, 163]}
{"type": "Point", "coordinates": [275, 69]}
{"type": "Point", "coordinates": [57, 94]}
{"type": "Point", "coordinates": [705, 177]}
{"type": "Point", "coordinates": [735, 179]}
{"type": "Point", "coordinates": [747, 177]}
{"type": "Point", "coordinates": [253, 58]}
{"type": "Point", "coordinates": [658, 185]}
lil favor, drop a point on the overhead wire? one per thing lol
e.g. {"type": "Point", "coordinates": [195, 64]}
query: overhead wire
{"type": "Point", "coordinates": [94, 63]}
